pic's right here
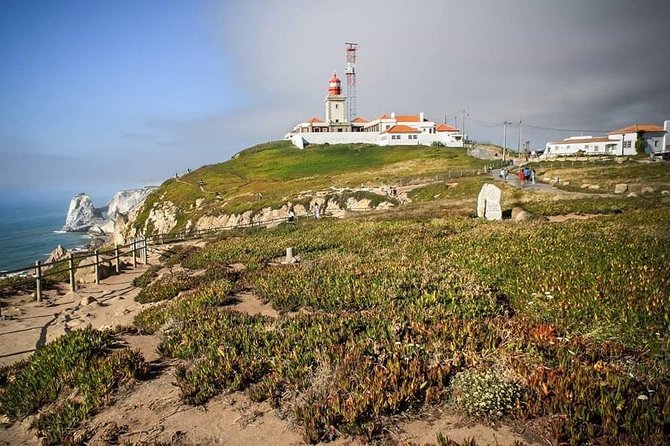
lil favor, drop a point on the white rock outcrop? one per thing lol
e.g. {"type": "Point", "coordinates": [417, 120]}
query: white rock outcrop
{"type": "Point", "coordinates": [82, 215]}
{"type": "Point", "coordinates": [126, 200]}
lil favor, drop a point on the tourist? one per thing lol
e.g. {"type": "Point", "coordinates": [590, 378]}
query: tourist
{"type": "Point", "coordinates": [522, 177]}
{"type": "Point", "coordinates": [317, 210]}
{"type": "Point", "coordinates": [532, 176]}
{"type": "Point", "coordinates": [291, 215]}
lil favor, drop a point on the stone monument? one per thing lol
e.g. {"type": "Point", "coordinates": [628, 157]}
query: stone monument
{"type": "Point", "coordinates": [488, 203]}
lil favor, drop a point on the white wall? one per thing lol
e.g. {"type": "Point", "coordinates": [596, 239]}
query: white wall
{"type": "Point", "coordinates": [334, 138]}
{"type": "Point", "coordinates": [588, 147]}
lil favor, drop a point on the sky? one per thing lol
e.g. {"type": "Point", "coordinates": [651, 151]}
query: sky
{"type": "Point", "coordinates": [99, 96]}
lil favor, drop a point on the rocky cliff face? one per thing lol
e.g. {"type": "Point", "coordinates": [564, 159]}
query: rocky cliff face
{"type": "Point", "coordinates": [126, 200]}
{"type": "Point", "coordinates": [165, 217]}
{"type": "Point", "coordinates": [82, 215]}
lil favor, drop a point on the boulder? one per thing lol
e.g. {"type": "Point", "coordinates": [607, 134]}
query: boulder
{"type": "Point", "coordinates": [96, 230]}
{"type": "Point", "coordinates": [57, 254]}
{"type": "Point", "coordinates": [632, 195]}
{"type": "Point", "coordinates": [620, 188]}
{"type": "Point", "coordinates": [594, 186]}
{"type": "Point", "coordinates": [647, 190]}
{"type": "Point", "coordinates": [488, 202]}
{"type": "Point", "coordinates": [520, 214]}
{"type": "Point", "coordinates": [665, 192]}
{"type": "Point", "coordinates": [88, 300]}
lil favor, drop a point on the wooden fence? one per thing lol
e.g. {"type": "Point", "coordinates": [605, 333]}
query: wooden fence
{"type": "Point", "coordinates": [138, 248]}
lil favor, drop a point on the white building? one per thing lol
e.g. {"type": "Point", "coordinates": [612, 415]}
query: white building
{"type": "Point", "coordinates": [619, 142]}
{"type": "Point", "coordinates": [385, 130]}
{"type": "Point", "coordinates": [585, 145]}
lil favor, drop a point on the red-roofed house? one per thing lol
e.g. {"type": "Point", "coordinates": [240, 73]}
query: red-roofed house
{"type": "Point", "coordinates": [652, 138]}
{"type": "Point", "coordinates": [619, 142]}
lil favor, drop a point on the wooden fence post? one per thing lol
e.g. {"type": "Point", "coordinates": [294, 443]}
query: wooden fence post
{"type": "Point", "coordinates": [144, 250]}
{"type": "Point", "coordinates": [73, 286]}
{"type": "Point", "coordinates": [116, 256]}
{"type": "Point", "coordinates": [134, 253]}
{"type": "Point", "coordinates": [97, 264]}
{"type": "Point", "coordinates": [38, 281]}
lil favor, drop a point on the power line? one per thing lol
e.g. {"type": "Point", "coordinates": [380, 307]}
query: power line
{"type": "Point", "coordinates": [491, 124]}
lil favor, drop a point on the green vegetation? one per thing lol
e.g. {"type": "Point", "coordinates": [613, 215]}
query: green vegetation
{"type": "Point", "coordinates": [147, 276]}
{"type": "Point", "coordinates": [563, 327]}
{"type": "Point", "coordinates": [280, 172]}
{"type": "Point", "coordinates": [70, 378]}
{"type": "Point", "coordinates": [406, 313]}
{"type": "Point", "coordinates": [603, 175]}
{"type": "Point", "coordinates": [167, 287]}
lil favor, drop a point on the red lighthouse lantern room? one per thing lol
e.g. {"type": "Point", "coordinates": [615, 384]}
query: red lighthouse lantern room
{"type": "Point", "coordinates": [334, 86]}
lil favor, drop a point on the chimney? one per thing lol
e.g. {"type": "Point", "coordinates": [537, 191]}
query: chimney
{"type": "Point", "coordinates": [392, 115]}
{"type": "Point", "coordinates": [421, 117]}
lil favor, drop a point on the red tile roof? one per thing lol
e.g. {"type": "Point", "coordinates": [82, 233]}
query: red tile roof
{"type": "Point", "coordinates": [360, 119]}
{"type": "Point", "coordinates": [408, 118]}
{"type": "Point", "coordinates": [384, 117]}
{"type": "Point", "coordinates": [445, 128]}
{"type": "Point", "coordinates": [638, 128]}
{"type": "Point", "coordinates": [313, 120]}
{"type": "Point", "coordinates": [399, 128]}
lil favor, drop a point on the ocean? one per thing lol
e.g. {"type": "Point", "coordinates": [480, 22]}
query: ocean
{"type": "Point", "coordinates": [29, 230]}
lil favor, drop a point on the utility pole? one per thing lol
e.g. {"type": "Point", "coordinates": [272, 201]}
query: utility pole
{"type": "Point", "coordinates": [464, 133]}
{"type": "Point", "coordinates": [505, 140]}
{"type": "Point", "coordinates": [518, 145]}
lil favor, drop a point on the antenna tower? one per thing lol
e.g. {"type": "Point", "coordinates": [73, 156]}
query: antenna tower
{"type": "Point", "coordinates": [350, 71]}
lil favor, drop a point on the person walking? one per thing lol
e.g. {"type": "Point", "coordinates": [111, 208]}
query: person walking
{"type": "Point", "coordinates": [522, 177]}
{"type": "Point", "coordinates": [317, 211]}
{"type": "Point", "coordinates": [532, 176]}
{"type": "Point", "coordinates": [291, 215]}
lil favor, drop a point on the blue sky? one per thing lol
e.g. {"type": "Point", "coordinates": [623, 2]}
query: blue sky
{"type": "Point", "coordinates": [83, 78]}
{"type": "Point", "coordinates": [102, 95]}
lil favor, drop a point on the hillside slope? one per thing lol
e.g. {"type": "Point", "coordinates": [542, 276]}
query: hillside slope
{"type": "Point", "coordinates": [270, 175]}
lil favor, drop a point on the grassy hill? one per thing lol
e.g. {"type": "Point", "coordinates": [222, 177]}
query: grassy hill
{"type": "Point", "coordinates": [280, 172]}
{"type": "Point", "coordinates": [560, 328]}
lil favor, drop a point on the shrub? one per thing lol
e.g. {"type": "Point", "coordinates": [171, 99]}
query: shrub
{"type": "Point", "coordinates": [485, 393]}
{"type": "Point", "coordinates": [167, 287]}
{"type": "Point", "coordinates": [147, 276]}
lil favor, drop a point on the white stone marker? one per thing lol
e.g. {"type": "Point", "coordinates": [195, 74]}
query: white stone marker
{"type": "Point", "coordinates": [488, 203]}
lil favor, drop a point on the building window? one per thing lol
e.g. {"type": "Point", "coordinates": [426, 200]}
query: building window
{"type": "Point", "coordinates": [656, 143]}
{"type": "Point", "coordinates": [627, 144]}
{"type": "Point", "coordinates": [336, 106]}
{"type": "Point", "coordinates": [339, 130]}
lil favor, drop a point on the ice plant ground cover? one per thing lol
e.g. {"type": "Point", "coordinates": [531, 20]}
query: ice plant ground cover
{"type": "Point", "coordinates": [576, 315]}
{"type": "Point", "coordinates": [385, 315]}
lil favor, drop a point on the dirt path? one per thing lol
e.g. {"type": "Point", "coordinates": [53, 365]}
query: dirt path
{"type": "Point", "coordinates": [27, 325]}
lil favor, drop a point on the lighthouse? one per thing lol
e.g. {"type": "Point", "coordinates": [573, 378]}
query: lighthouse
{"type": "Point", "coordinates": [335, 104]}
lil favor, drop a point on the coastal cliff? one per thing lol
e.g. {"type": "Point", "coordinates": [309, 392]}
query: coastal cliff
{"type": "Point", "coordinates": [83, 216]}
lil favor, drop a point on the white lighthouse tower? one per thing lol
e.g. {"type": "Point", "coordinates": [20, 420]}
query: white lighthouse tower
{"type": "Point", "coordinates": [336, 112]}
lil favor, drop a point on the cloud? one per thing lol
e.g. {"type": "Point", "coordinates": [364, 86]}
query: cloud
{"type": "Point", "coordinates": [596, 64]}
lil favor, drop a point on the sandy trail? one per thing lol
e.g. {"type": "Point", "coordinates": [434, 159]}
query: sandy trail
{"type": "Point", "coordinates": [28, 325]}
